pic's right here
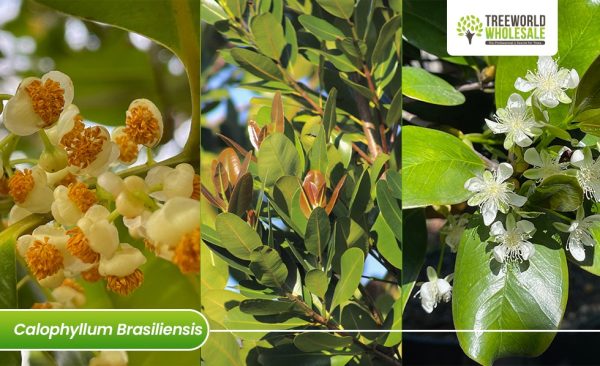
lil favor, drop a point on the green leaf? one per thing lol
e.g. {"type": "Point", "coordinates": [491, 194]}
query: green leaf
{"type": "Point", "coordinates": [339, 60]}
{"type": "Point", "coordinates": [394, 181]}
{"type": "Point", "coordinates": [237, 7]}
{"type": "Point", "coordinates": [214, 271]}
{"type": "Point", "coordinates": [268, 268]}
{"type": "Point", "coordinates": [257, 64]}
{"type": "Point", "coordinates": [360, 196]}
{"type": "Point", "coordinates": [386, 37]}
{"type": "Point", "coordinates": [10, 358]}
{"type": "Point", "coordinates": [211, 12]}
{"type": "Point", "coordinates": [8, 273]}
{"type": "Point", "coordinates": [318, 231]}
{"type": "Point", "coordinates": [268, 35]}
{"type": "Point", "coordinates": [419, 84]}
{"type": "Point", "coordinates": [591, 263]}
{"type": "Point", "coordinates": [318, 152]}
{"type": "Point", "coordinates": [237, 320]}
{"type": "Point", "coordinates": [289, 355]}
{"type": "Point", "coordinates": [558, 192]}
{"type": "Point", "coordinates": [387, 245]}
{"type": "Point", "coordinates": [576, 21]}
{"type": "Point", "coordinates": [236, 235]}
{"type": "Point", "coordinates": [241, 196]}
{"type": "Point", "coordinates": [414, 246]}
{"type": "Point", "coordinates": [315, 342]}
{"type": "Point", "coordinates": [491, 296]}
{"type": "Point", "coordinates": [266, 307]}
{"type": "Point", "coordinates": [425, 25]}
{"type": "Point", "coordinates": [216, 303]}
{"type": "Point", "coordinates": [317, 282]}
{"type": "Point", "coordinates": [222, 349]}
{"type": "Point", "coordinates": [329, 113]}
{"type": "Point", "coordinates": [338, 8]}
{"type": "Point", "coordinates": [588, 92]}
{"type": "Point", "coordinates": [352, 263]}
{"type": "Point", "coordinates": [393, 321]}
{"type": "Point", "coordinates": [436, 166]}
{"type": "Point", "coordinates": [320, 28]}
{"type": "Point", "coordinates": [389, 208]}
{"type": "Point", "coordinates": [394, 113]}
{"type": "Point", "coordinates": [277, 157]}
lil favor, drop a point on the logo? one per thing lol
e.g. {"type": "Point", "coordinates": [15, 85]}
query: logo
{"type": "Point", "coordinates": [507, 27]}
{"type": "Point", "coordinates": [469, 26]}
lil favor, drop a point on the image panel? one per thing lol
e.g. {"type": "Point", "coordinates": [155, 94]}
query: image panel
{"type": "Point", "coordinates": [99, 180]}
{"type": "Point", "coordinates": [301, 217]}
{"type": "Point", "coordinates": [500, 192]}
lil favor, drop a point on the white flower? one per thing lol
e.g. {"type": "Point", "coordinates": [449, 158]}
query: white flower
{"type": "Point", "coordinates": [579, 233]}
{"type": "Point", "coordinates": [137, 225]}
{"type": "Point", "coordinates": [144, 123]}
{"type": "Point", "coordinates": [516, 122]}
{"type": "Point", "coordinates": [549, 83]}
{"type": "Point", "coordinates": [128, 149]}
{"type": "Point", "coordinates": [514, 245]}
{"type": "Point", "coordinates": [29, 189]}
{"type": "Point", "coordinates": [111, 183]}
{"type": "Point", "coordinates": [123, 263]}
{"type": "Point", "coordinates": [435, 290]}
{"type": "Point", "coordinates": [130, 201]}
{"type": "Point", "coordinates": [453, 230]}
{"type": "Point", "coordinates": [493, 194]}
{"type": "Point", "coordinates": [17, 214]}
{"type": "Point", "coordinates": [71, 203]}
{"type": "Point", "coordinates": [174, 182]}
{"type": "Point", "coordinates": [69, 295]}
{"type": "Point", "coordinates": [545, 164]}
{"type": "Point", "coordinates": [45, 251]}
{"type": "Point", "coordinates": [110, 358]}
{"type": "Point", "coordinates": [38, 103]}
{"type": "Point", "coordinates": [588, 174]}
{"type": "Point", "coordinates": [102, 235]}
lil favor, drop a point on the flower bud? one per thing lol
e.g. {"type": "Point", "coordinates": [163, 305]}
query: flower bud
{"type": "Point", "coordinates": [53, 160]}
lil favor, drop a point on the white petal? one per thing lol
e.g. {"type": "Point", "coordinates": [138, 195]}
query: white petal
{"type": "Point", "coordinates": [504, 171]}
{"type": "Point", "coordinates": [65, 83]}
{"type": "Point", "coordinates": [546, 65]}
{"type": "Point", "coordinates": [573, 80]}
{"type": "Point", "coordinates": [576, 249]}
{"type": "Point", "coordinates": [489, 210]}
{"type": "Point", "coordinates": [499, 253]}
{"type": "Point", "coordinates": [474, 184]}
{"type": "Point", "coordinates": [516, 103]}
{"type": "Point", "coordinates": [548, 99]}
{"type": "Point", "coordinates": [578, 158]}
{"type": "Point", "coordinates": [123, 263]}
{"type": "Point", "coordinates": [527, 250]}
{"type": "Point", "coordinates": [497, 229]}
{"type": "Point", "coordinates": [564, 98]}
{"type": "Point", "coordinates": [526, 226]}
{"type": "Point", "coordinates": [496, 127]}
{"type": "Point", "coordinates": [516, 200]}
{"type": "Point", "coordinates": [524, 85]}
{"type": "Point", "coordinates": [522, 139]}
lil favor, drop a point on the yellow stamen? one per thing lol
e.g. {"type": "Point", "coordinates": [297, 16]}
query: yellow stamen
{"type": "Point", "coordinates": [125, 285]}
{"type": "Point", "coordinates": [151, 247]}
{"type": "Point", "coordinates": [142, 126]}
{"type": "Point", "coordinates": [82, 196]}
{"type": "Point", "coordinates": [196, 192]}
{"type": "Point", "coordinates": [67, 180]}
{"type": "Point", "coordinates": [77, 129]}
{"type": "Point", "coordinates": [47, 100]}
{"type": "Point", "coordinates": [79, 247]}
{"type": "Point", "coordinates": [20, 184]}
{"type": "Point", "coordinates": [4, 190]}
{"type": "Point", "coordinates": [83, 148]}
{"type": "Point", "coordinates": [72, 284]}
{"type": "Point", "coordinates": [42, 305]}
{"type": "Point", "coordinates": [187, 253]}
{"type": "Point", "coordinates": [91, 275]}
{"type": "Point", "coordinates": [127, 148]}
{"type": "Point", "coordinates": [43, 259]}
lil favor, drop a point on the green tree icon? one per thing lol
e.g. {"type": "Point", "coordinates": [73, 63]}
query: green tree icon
{"type": "Point", "coordinates": [468, 26]}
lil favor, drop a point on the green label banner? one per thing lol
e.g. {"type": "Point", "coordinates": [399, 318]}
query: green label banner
{"type": "Point", "coordinates": [132, 329]}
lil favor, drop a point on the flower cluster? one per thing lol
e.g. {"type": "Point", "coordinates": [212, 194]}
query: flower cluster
{"type": "Point", "coordinates": [493, 192]}
{"type": "Point", "coordinates": [79, 185]}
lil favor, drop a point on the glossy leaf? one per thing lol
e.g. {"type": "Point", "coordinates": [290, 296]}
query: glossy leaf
{"type": "Point", "coordinates": [559, 192]}
{"type": "Point", "coordinates": [277, 158]}
{"type": "Point", "coordinates": [352, 263]}
{"type": "Point", "coordinates": [338, 8]}
{"type": "Point", "coordinates": [386, 36]}
{"type": "Point", "coordinates": [237, 7]}
{"type": "Point", "coordinates": [425, 25]}
{"type": "Point", "coordinates": [389, 208]}
{"type": "Point", "coordinates": [257, 64]}
{"type": "Point", "coordinates": [588, 92]}
{"type": "Point", "coordinates": [266, 307]}
{"type": "Point", "coordinates": [318, 231]}
{"type": "Point", "coordinates": [421, 85]}
{"type": "Point", "coordinates": [395, 111]}
{"type": "Point", "coordinates": [435, 167]}
{"type": "Point", "coordinates": [317, 282]}
{"type": "Point", "coordinates": [236, 235]}
{"type": "Point", "coordinates": [322, 29]}
{"type": "Point", "coordinates": [241, 196]}
{"type": "Point", "coordinates": [222, 349]}
{"type": "Point", "coordinates": [268, 268]}
{"type": "Point", "coordinates": [268, 35]}
{"type": "Point", "coordinates": [314, 342]}
{"type": "Point", "coordinates": [488, 295]}
{"type": "Point", "coordinates": [329, 113]}
{"type": "Point", "coordinates": [318, 152]}
{"type": "Point", "coordinates": [387, 245]}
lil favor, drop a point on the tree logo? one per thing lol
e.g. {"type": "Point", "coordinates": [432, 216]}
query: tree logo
{"type": "Point", "coordinates": [469, 26]}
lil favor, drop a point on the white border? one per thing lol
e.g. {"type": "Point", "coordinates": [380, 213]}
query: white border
{"type": "Point", "coordinates": [111, 310]}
